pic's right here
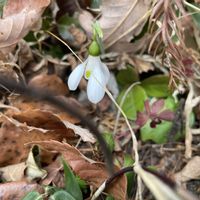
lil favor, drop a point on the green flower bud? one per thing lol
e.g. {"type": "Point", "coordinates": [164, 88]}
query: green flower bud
{"type": "Point", "coordinates": [94, 49]}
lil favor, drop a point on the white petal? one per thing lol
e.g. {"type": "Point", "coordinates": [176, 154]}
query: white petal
{"type": "Point", "coordinates": [92, 63]}
{"type": "Point", "coordinates": [96, 85]}
{"type": "Point", "coordinates": [75, 77]}
{"type": "Point", "coordinates": [106, 72]}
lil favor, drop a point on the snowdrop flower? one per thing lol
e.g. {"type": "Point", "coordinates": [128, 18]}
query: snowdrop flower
{"type": "Point", "coordinates": [95, 72]}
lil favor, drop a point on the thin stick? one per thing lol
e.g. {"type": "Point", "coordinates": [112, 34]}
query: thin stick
{"type": "Point", "coordinates": [191, 6]}
{"type": "Point", "coordinates": [190, 103]}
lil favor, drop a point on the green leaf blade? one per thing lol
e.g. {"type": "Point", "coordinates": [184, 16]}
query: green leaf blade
{"type": "Point", "coordinates": [127, 76]}
{"type": "Point", "coordinates": [71, 184]}
{"type": "Point", "coordinates": [133, 102]}
{"type": "Point", "coordinates": [33, 196]}
{"type": "Point", "coordinates": [62, 195]}
{"type": "Point", "coordinates": [2, 4]}
{"type": "Point", "coordinates": [156, 86]}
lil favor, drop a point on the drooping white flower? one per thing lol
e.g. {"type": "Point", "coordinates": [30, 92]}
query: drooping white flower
{"type": "Point", "coordinates": [97, 75]}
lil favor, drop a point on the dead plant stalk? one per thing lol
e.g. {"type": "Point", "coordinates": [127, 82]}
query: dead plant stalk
{"type": "Point", "coordinates": [190, 103]}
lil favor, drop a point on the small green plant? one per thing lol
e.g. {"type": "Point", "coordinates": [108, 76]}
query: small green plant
{"type": "Point", "coordinates": [72, 190]}
{"type": "Point", "coordinates": [148, 103]}
{"type": "Point", "coordinates": [2, 4]}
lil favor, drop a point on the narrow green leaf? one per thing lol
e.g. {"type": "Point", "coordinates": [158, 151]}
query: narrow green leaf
{"type": "Point", "coordinates": [128, 161]}
{"type": "Point", "coordinates": [110, 197]}
{"type": "Point", "coordinates": [97, 29]}
{"type": "Point", "coordinates": [134, 101]}
{"type": "Point", "coordinates": [50, 190]}
{"type": "Point", "coordinates": [98, 35]}
{"type": "Point", "coordinates": [71, 184]}
{"type": "Point", "coordinates": [82, 184]}
{"type": "Point", "coordinates": [2, 4]}
{"type": "Point", "coordinates": [109, 139]}
{"type": "Point", "coordinates": [61, 195]}
{"type": "Point", "coordinates": [156, 86]}
{"type": "Point", "coordinates": [33, 196]}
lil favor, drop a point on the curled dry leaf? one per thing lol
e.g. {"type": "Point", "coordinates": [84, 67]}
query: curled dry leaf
{"type": "Point", "coordinates": [94, 173]}
{"type": "Point", "coordinates": [52, 122]}
{"type": "Point", "coordinates": [13, 172]}
{"type": "Point", "coordinates": [39, 115]}
{"type": "Point", "coordinates": [17, 190]}
{"type": "Point", "coordinates": [190, 171]}
{"type": "Point", "coordinates": [19, 17]}
{"type": "Point", "coordinates": [55, 85]}
{"type": "Point", "coordinates": [34, 170]}
{"type": "Point", "coordinates": [54, 174]}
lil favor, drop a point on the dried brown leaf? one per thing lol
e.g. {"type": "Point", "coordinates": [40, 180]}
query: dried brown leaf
{"type": "Point", "coordinates": [120, 20]}
{"type": "Point", "coordinates": [190, 171]}
{"type": "Point", "coordinates": [24, 105]}
{"type": "Point", "coordinates": [21, 127]}
{"type": "Point", "coordinates": [19, 17]}
{"type": "Point", "coordinates": [13, 140]}
{"type": "Point", "coordinates": [94, 173]}
{"type": "Point", "coordinates": [17, 190]}
{"type": "Point", "coordinates": [54, 174]}
{"type": "Point", "coordinates": [143, 66]}
{"type": "Point", "coordinates": [53, 122]}
{"type": "Point", "coordinates": [40, 116]}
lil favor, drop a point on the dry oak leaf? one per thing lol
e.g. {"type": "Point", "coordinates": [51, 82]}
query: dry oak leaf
{"type": "Point", "coordinates": [190, 172]}
{"type": "Point", "coordinates": [19, 17]}
{"type": "Point", "coordinates": [44, 120]}
{"type": "Point", "coordinates": [23, 104]}
{"type": "Point", "coordinates": [92, 172]}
